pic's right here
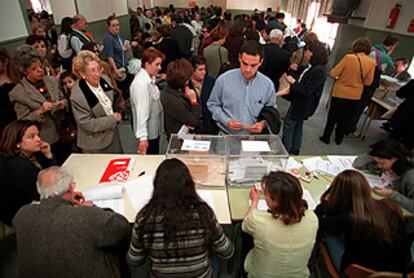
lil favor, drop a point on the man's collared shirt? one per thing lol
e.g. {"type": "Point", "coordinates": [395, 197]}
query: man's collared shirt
{"type": "Point", "coordinates": [235, 98]}
{"type": "Point", "coordinates": [114, 47]}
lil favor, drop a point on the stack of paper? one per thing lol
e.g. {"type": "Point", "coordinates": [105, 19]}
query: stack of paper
{"type": "Point", "coordinates": [333, 166]}
{"type": "Point", "coordinates": [106, 196]}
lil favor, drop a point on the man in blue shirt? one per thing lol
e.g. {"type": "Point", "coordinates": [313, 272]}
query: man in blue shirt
{"type": "Point", "coordinates": [240, 94]}
{"type": "Point", "coordinates": [115, 47]}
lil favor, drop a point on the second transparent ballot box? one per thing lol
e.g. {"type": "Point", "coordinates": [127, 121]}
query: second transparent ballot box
{"type": "Point", "coordinates": [204, 156]}
{"type": "Point", "coordinates": [252, 156]}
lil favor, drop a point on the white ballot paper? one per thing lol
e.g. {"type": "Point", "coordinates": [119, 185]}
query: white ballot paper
{"type": "Point", "coordinates": [104, 192]}
{"type": "Point", "coordinates": [116, 205]}
{"type": "Point", "coordinates": [207, 197]}
{"type": "Point", "coordinates": [292, 164]}
{"type": "Point", "coordinates": [195, 145]}
{"type": "Point", "coordinates": [140, 191]}
{"type": "Point", "coordinates": [106, 196]}
{"type": "Point", "coordinates": [255, 146]}
{"type": "Point", "coordinates": [342, 161]}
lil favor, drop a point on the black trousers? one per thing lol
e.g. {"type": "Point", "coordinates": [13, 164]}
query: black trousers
{"type": "Point", "coordinates": [341, 113]}
{"type": "Point", "coordinates": [61, 151]}
{"type": "Point", "coordinates": [154, 146]}
{"type": "Point", "coordinates": [360, 107]}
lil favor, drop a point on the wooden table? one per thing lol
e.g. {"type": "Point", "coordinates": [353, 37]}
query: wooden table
{"type": "Point", "coordinates": [88, 169]}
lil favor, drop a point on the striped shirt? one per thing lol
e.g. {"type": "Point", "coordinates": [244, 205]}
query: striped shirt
{"type": "Point", "coordinates": [189, 257]}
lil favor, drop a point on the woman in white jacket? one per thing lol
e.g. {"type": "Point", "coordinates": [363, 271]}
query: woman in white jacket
{"type": "Point", "coordinates": [146, 104]}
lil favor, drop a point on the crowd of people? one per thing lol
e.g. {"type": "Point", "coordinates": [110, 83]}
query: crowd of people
{"type": "Point", "coordinates": [196, 71]}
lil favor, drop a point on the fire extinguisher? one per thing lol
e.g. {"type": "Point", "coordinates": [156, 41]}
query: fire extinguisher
{"type": "Point", "coordinates": [393, 16]}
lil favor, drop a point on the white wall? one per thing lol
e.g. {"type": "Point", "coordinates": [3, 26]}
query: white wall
{"type": "Point", "coordinates": [251, 5]}
{"type": "Point", "coordinates": [379, 12]}
{"type": "Point", "coordinates": [12, 24]}
{"type": "Point", "coordinates": [95, 10]}
{"type": "Point", "coordinates": [62, 9]}
{"type": "Point", "coordinates": [182, 3]}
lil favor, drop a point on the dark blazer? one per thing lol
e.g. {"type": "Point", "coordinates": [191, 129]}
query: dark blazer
{"type": "Point", "coordinates": [184, 37]}
{"type": "Point", "coordinates": [18, 177]}
{"type": "Point", "coordinates": [208, 125]}
{"type": "Point", "coordinates": [305, 94]}
{"type": "Point", "coordinates": [178, 111]}
{"type": "Point", "coordinates": [57, 239]}
{"type": "Point", "coordinates": [367, 253]}
{"type": "Point", "coordinates": [275, 63]}
{"type": "Point", "coordinates": [403, 117]}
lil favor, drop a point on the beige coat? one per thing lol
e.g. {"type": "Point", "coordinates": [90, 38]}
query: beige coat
{"type": "Point", "coordinates": [96, 130]}
{"type": "Point", "coordinates": [347, 73]}
{"type": "Point", "coordinates": [27, 100]}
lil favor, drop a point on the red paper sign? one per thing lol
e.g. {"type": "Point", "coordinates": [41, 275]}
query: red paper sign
{"type": "Point", "coordinates": [411, 27]}
{"type": "Point", "coordinates": [117, 170]}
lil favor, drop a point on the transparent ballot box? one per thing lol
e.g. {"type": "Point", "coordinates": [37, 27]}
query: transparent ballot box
{"type": "Point", "coordinates": [204, 156]}
{"type": "Point", "coordinates": [251, 156]}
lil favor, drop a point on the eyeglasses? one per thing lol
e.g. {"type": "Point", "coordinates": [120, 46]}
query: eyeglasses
{"type": "Point", "coordinates": [94, 70]}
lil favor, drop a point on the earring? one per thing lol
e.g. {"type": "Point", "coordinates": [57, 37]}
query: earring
{"type": "Point", "coordinates": [18, 146]}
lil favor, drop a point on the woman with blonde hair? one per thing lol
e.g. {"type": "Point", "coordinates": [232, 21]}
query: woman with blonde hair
{"type": "Point", "coordinates": [94, 106]}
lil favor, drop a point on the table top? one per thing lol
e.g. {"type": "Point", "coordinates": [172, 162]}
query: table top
{"type": "Point", "coordinates": [88, 169]}
{"type": "Point", "coordinates": [239, 197]}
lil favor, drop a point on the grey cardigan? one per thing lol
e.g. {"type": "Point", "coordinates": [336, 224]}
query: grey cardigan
{"type": "Point", "coordinates": [403, 187]}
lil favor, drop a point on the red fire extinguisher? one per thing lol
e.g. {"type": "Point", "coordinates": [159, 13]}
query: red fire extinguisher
{"type": "Point", "coordinates": [393, 16]}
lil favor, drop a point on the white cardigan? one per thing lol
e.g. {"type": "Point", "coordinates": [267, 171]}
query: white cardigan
{"type": "Point", "coordinates": [146, 107]}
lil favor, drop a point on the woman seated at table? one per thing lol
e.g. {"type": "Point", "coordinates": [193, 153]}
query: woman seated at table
{"type": "Point", "coordinates": [179, 102]}
{"type": "Point", "coordinates": [393, 159]}
{"type": "Point", "coordinates": [22, 155]}
{"type": "Point", "coordinates": [285, 234]}
{"type": "Point", "coordinates": [359, 229]}
{"type": "Point", "coordinates": [37, 97]}
{"type": "Point", "coordinates": [93, 106]}
{"type": "Point", "coordinates": [177, 230]}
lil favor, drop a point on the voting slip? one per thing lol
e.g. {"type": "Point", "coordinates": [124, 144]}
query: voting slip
{"type": "Point", "coordinates": [118, 170]}
{"type": "Point", "coordinates": [100, 192]}
{"type": "Point", "coordinates": [255, 146]}
{"type": "Point", "coordinates": [108, 196]}
{"type": "Point", "coordinates": [195, 145]}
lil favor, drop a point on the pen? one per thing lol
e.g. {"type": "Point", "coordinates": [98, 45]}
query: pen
{"type": "Point", "coordinates": [141, 174]}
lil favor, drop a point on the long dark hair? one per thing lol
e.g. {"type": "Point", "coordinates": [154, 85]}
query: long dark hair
{"type": "Point", "coordinates": [13, 134]}
{"type": "Point", "coordinates": [175, 205]}
{"type": "Point", "coordinates": [390, 148]}
{"type": "Point", "coordinates": [65, 26]}
{"type": "Point", "coordinates": [372, 220]}
{"type": "Point", "coordinates": [286, 190]}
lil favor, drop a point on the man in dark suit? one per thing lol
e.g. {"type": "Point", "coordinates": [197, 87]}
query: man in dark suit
{"type": "Point", "coordinates": [202, 84]}
{"type": "Point", "coordinates": [182, 35]}
{"type": "Point", "coordinates": [64, 235]}
{"type": "Point", "coordinates": [276, 59]}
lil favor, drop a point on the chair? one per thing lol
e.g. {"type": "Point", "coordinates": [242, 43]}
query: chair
{"type": "Point", "coordinates": [357, 271]}
{"type": "Point", "coordinates": [328, 262]}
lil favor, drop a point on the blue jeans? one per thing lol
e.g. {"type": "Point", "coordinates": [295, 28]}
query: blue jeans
{"type": "Point", "coordinates": [336, 250]}
{"type": "Point", "coordinates": [292, 133]}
